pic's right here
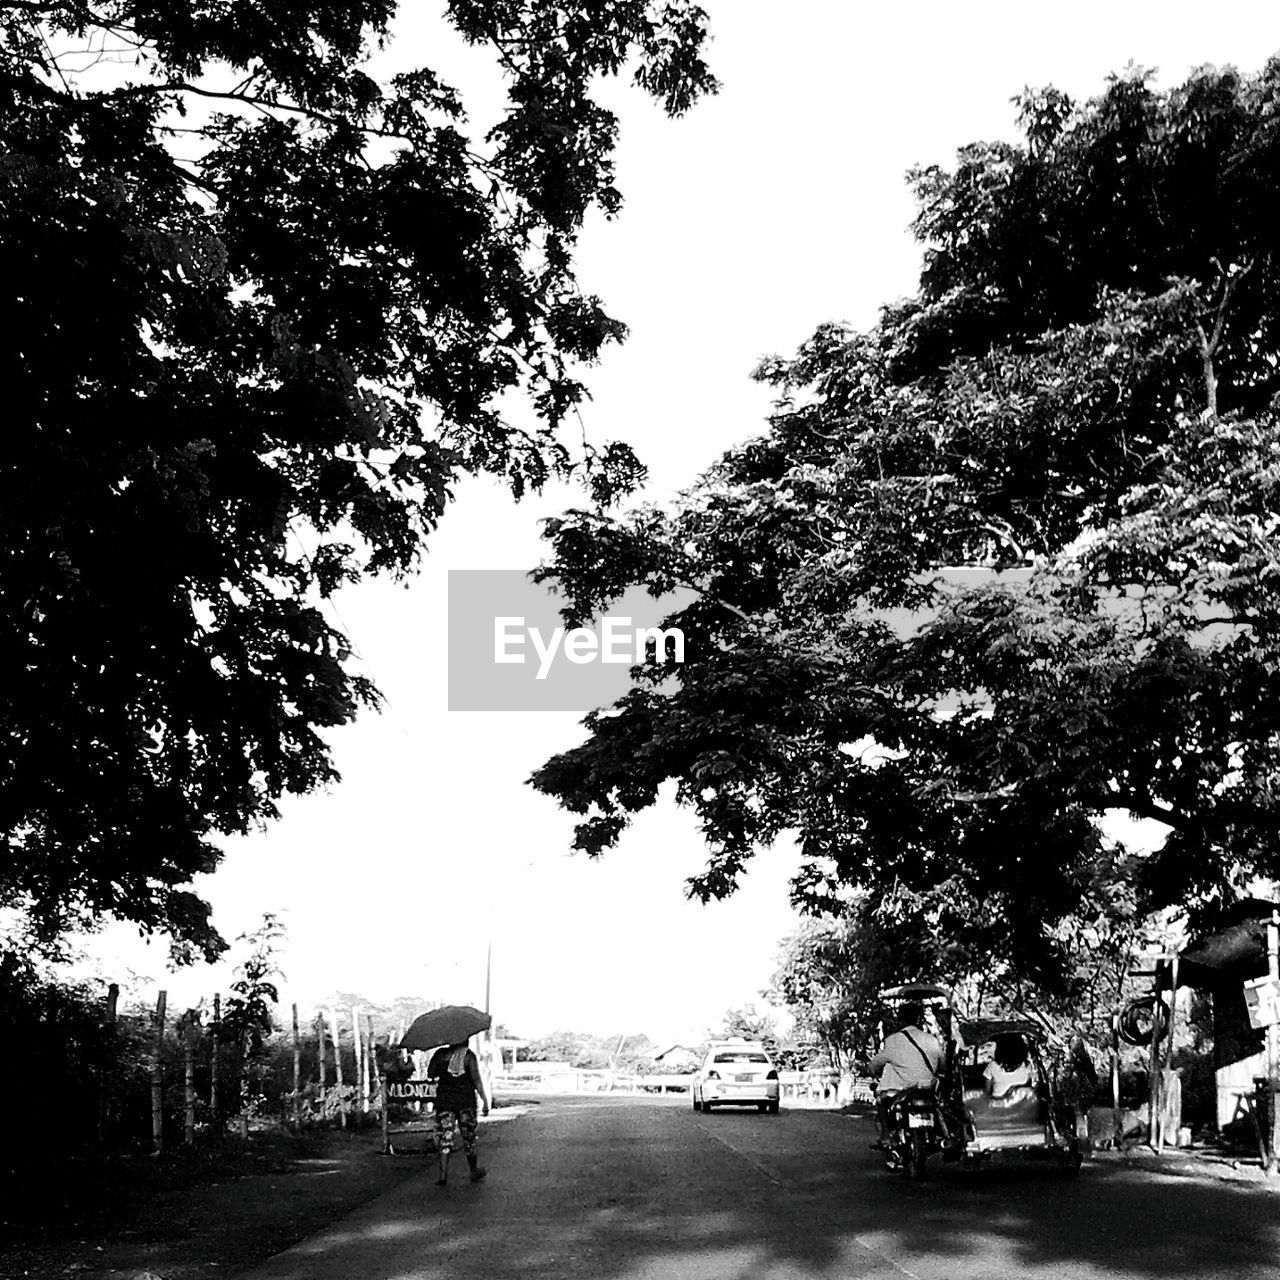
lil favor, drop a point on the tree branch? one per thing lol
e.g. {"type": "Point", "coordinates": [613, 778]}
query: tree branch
{"type": "Point", "coordinates": [1147, 807]}
{"type": "Point", "coordinates": [1209, 343]}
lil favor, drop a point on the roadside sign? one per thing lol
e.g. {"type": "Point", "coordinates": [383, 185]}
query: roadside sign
{"type": "Point", "coordinates": [412, 1091]}
{"type": "Point", "coordinates": [1262, 999]}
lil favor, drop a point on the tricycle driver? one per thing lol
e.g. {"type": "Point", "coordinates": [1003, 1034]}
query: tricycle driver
{"type": "Point", "coordinates": [910, 1058]}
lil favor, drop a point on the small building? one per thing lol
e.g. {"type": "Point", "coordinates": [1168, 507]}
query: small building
{"type": "Point", "coordinates": [1219, 964]}
{"type": "Point", "coordinates": [502, 1045]}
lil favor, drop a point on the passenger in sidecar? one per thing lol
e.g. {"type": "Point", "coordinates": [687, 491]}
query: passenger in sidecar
{"type": "Point", "coordinates": [1009, 1098]}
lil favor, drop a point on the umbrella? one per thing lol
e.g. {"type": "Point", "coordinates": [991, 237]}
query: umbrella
{"type": "Point", "coordinates": [450, 1024]}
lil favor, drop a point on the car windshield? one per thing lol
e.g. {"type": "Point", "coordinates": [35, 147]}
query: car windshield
{"type": "Point", "coordinates": [740, 1056]}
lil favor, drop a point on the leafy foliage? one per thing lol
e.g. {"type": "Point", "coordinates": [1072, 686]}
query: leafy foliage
{"type": "Point", "coordinates": [248, 1017]}
{"type": "Point", "coordinates": [590, 1052]}
{"type": "Point", "coordinates": [264, 309]}
{"type": "Point", "coordinates": [1000, 567]}
{"type": "Point", "coordinates": [829, 975]}
{"type": "Point", "coordinates": [747, 1023]}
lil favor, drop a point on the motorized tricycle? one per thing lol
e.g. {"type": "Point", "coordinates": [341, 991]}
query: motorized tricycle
{"type": "Point", "coordinates": [965, 1118]}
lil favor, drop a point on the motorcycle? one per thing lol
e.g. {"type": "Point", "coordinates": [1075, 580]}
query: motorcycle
{"type": "Point", "coordinates": [916, 1130]}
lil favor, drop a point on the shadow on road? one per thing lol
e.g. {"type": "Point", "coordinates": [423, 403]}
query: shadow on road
{"type": "Point", "coordinates": [798, 1196]}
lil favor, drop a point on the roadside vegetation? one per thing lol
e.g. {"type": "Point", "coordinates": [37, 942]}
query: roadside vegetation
{"type": "Point", "coordinates": [1000, 576]}
{"type": "Point", "coordinates": [987, 618]}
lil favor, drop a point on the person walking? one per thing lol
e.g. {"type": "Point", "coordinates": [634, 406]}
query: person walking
{"type": "Point", "coordinates": [456, 1070]}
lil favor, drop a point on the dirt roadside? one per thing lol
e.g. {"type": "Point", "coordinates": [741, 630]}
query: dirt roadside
{"type": "Point", "coordinates": [192, 1215]}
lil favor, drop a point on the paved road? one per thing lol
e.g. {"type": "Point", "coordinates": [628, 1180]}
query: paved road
{"type": "Point", "coordinates": [629, 1189]}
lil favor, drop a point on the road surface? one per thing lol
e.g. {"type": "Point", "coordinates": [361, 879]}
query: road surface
{"type": "Point", "coordinates": [636, 1189]}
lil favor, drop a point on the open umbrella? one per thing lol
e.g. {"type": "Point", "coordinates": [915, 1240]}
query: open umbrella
{"type": "Point", "coordinates": [450, 1024]}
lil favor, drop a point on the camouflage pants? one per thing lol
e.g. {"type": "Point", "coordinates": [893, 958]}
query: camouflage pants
{"type": "Point", "coordinates": [456, 1129]}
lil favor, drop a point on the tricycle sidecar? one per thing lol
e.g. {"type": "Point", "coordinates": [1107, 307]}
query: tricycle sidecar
{"type": "Point", "coordinates": [1026, 1118]}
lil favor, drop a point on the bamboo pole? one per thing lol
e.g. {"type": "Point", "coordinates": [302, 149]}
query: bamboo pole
{"type": "Point", "coordinates": [157, 1078]}
{"type": "Point", "coordinates": [1173, 1013]}
{"type": "Point", "coordinates": [1117, 1125]}
{"type": "Point", "coordinates": [384, 1100]}
{"type": "Point", "coordinates": [109, 1024]}
{"type": "Point", "coordinates": [337, 1067]}
{"type": "Point", "coordinates": [1168, 1050]}
{"type": "Point", "coordinates": [362, 1067]}
{"type": "Point", "coordinates": [1153, 1074]}
{"type": "Point", "coordinates": [189, 1031]}
{"type": "Point", "coordinates": [297, 1071]}
{"type": "Point", "coordinates": [368, 1064]}
{"type": "Point", "coordinates": [375, 1076]}
{"type": "Point", "coordinates": [215, 1053]}
{"type": "Point", "coordinates": [321, 1053]}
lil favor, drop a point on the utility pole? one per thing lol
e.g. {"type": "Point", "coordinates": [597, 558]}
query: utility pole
{"type": "Point", "coordinates": [488, 978]}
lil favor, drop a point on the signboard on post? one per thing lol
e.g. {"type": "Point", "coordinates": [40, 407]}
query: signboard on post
{"type": "Point", "coordinates": [416, 1091]}
{"type": "Point", "coordinates": [1262, 999]}
{"type": "Point", "coordinates": [411, 1090]}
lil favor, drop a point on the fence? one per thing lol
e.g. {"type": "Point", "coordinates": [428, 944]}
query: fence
{"type": "Point", "coordinates": [796, 1087]}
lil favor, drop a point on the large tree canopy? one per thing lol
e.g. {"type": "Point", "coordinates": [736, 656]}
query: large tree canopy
{"type": "Point", "coordinates": [262, 308]}
{"type": "Point", "coordinates": [1082, 391]}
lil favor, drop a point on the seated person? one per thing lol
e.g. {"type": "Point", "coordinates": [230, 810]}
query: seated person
{"type": "Point", "coordinates": [910, 1058]}
{"type": "Point", "coordinates": [1009, 1067]}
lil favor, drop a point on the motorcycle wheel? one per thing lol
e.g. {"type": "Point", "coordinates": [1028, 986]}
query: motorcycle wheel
{"type": "Point", "coordinates": [913, 1159]}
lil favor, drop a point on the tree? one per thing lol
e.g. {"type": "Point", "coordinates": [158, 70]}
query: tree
{"type": "Point", "coordinates": [264, 310]}
{"type": "Point", "coordinates": [831, 970]}
{"type": "Point", "coordinates": [746, 1023]}
{"type": "Point", "coordinates": [829, 976]}
{"type": "Point", "coordinates": [1082, 392]}
{"type": "Point", "coordinates": [248, 1018]}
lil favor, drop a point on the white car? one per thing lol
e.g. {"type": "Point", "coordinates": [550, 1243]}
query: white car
{"type": "Point", "coordinates": [736, 1073]}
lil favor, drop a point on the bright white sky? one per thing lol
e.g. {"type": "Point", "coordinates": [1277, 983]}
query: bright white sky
{"type": "Point", "coordinates": [771, 208]}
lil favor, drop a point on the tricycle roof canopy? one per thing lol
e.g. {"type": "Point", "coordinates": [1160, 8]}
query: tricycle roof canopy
{"type": "Point", "coordinates": [981, 1030]}
{"type": "Point", "coordinates": [924, 992]}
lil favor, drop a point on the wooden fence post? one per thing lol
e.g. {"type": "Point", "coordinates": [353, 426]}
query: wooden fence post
{"type": "Point", "coordinates": [1154, 1091]}
{"type": "Point", "coordinates": [357, 1043]}
{"type": "Point", "coordinates": [337, 1067]}
{"type": "Point", "coordinates": [297, 1072]}
{"type": "Point", "coordinates": [384, 1102]}
{"type": "Point", "coordinates": [190, 1030]}
{"type": "Point", "coordinates": [157, 1079]}
{"type": "Point", "coordinates": [371, 1049]}
{"type": "Point", "coordinates": [109, 1035]}
{"type": "Point", "coordinates": [321, 1053]}
{"type": "Point", "coordinates": [215, 1103]}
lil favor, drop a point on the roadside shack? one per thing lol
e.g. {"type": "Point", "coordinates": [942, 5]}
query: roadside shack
{"type": "Point", "coordinates": [1235, 965]}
